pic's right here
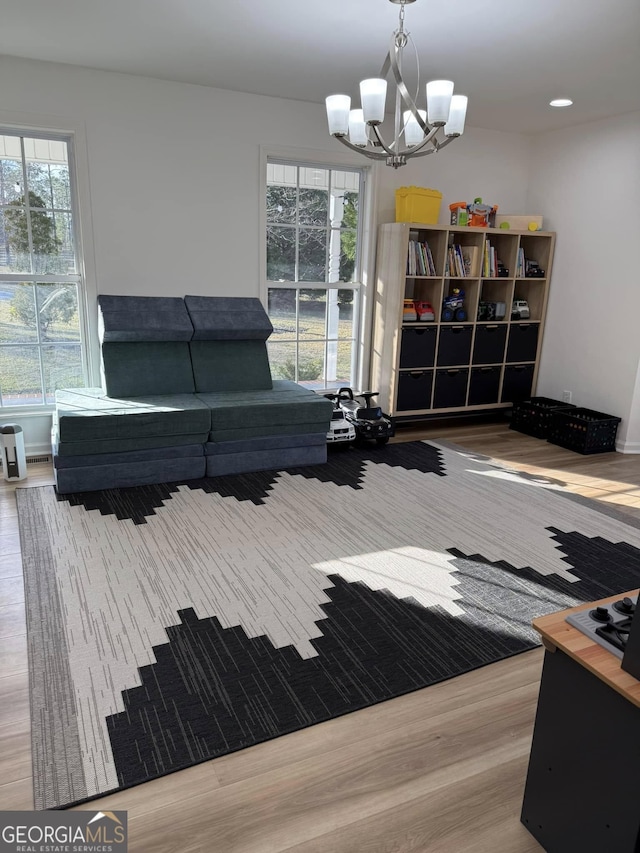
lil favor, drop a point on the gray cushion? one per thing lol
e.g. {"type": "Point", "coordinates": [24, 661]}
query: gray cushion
{"type": "Point", "coordinates": [154, 367]}
{"type": "Point", "coordinates": [230, 366]}
{"type": "Point", "coordinates": [143, 318]}
{"type": "Point", "coordinates": [286, 405]}
{"type": "Point", "coordinates": [266, 460]}
{"type": "Point", "coordinates": [220, 318]}
{"type": "Point", "coordinates": [273, 442]}
{"type": "Point", "coordinates": [88, 414]}
{"type": "Point", "coordinates": [91, 478]}
{"type": "Point", "coordinates": [127, 457]}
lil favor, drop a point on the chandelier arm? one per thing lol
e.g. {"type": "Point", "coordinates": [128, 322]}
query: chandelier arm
{"type": "Point", "coordinates": [447, 140]}
{"type": "Point", "coordinates": [373, 155]}
{"type": "Point", "coordinates": [381, 141]}
{"type": "Point", "coordinates": [429, 138]}
{"type": "Point", "coordinates": [393, 63]}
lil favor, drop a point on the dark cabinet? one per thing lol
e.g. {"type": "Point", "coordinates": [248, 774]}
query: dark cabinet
{"type": "Point", "coordinates": [451, 388]}
{"type": "Point", "coordinates": [490, 340]}
{"type": "Point", "coordinates": [517, 382]}
{"type": "Point", "coordinates": [484, 386]}
{"type": "Point", "coordinates": [454, 346]}
{"type": "Point", "coordinates": [523, 342]}
{"type": "Point", "coordinates": [418, 347]}
{"type": "Point", "coordinates": [414, 390]}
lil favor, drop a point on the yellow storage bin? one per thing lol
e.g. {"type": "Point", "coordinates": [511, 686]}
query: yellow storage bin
{"type": "Point", "coordinates": [418, 204]}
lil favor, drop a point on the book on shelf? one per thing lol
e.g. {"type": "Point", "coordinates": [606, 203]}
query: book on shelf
{"type": "Point", "coordinates": [470, 260]}
{"type": "Point", "coordinates": [420, 259]}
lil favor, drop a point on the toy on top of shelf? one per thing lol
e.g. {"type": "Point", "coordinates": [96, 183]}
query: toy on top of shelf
{"type": "Point", "coordinates": [532, 269]}
{"type": "Point", "coordinates": [453, 307]}
{"type": "Point", "coordinates": [459, 213]}
{"type": "Point", "coordinates": [369, 421]}
{"type": "Point", "coordinates": [409, 313]}
{"type": "Point", "coordinates": [482, 215]}
{"type": "Point", "coordinates": [425, 312]}
{"type": "Point", "coordinates": [341, 430]}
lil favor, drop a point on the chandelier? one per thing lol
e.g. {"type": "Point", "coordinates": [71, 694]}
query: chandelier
{"type": "Point", "coordinates": [416, 132]}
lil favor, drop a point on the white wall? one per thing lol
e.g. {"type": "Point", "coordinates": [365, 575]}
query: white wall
{"type": "Point", "coordinates": [173, 173]}
{"type": "Point", "coordinates": [586, 181]}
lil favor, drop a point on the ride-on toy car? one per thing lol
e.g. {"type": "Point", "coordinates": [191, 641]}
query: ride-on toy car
{"type": "Point", "coordinates": [369, 421]}
{"type": "Point", "coordinates": [341, 430]}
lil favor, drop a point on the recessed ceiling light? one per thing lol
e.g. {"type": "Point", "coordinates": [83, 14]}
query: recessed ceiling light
{"type": "Point", "coordinates": [560, 102]}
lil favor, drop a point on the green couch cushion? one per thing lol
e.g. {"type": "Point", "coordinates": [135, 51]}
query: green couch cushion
{"type": "Point", "coordinates": [143, 318]}
{"type": "Point", "coordinates": [123, 445]}
{"type": "Point", "coordinates": [220, 318]}
{"type": "Point", "coordinates": [233, 366]}
{"type": "Point", "coordinates": [273, 412]}
{"type": "Point", "coordinates": [151, 367]}
{"type": "Point", "coordinates": [88, 415]}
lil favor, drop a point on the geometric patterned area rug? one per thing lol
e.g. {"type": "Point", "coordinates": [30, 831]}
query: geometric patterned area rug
{"type": "Point", "coordinates": [171, 624]}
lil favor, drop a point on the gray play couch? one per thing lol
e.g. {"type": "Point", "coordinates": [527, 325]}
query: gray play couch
{"type": "Point", "coordinates": [188, 394]}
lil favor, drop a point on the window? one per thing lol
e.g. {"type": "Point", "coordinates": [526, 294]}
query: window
{"type": "Point", "coordinates": [313, 272]}
{"type": "Point", "coordinates": [41, 346]}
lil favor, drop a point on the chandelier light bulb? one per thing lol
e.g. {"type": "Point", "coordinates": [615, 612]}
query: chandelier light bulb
{"type": "Point", "coordinates": [338, 107]}
{"type": "Point", "coordinates": [439, 93]}
{"type": "Point", "coordinates": [413, 133]}
{"type": "Point", "coordinates": [357, 128]}
{"type": "Point", "coordinates": [373, 94]}
{"type": "Point", "coordinates": [457, 116]}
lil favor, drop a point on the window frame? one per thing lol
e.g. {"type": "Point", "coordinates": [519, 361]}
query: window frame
{"type": "Point", "coordinates": [85, 294]}
{"type": "Point", "coordinates": [364, 258]}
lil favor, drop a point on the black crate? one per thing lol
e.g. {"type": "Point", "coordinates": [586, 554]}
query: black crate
{"type": "Point", "coordinates": [583, 430]}
{"type": "Point", "coordinates": [533, 416]}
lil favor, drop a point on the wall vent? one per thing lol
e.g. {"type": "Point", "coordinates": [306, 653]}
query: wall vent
{"type": "Point", "coordinates": [32, 460]}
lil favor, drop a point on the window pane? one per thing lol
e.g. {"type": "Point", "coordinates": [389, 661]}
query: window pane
{"type": "Point", "coordinates": [347, 313]}
{"type": "Point", "coordinates": [312, 255]}
{"type": "Point", "coordinates": [282, 358]}
{"type": "Point", "coordinates": [52, 242]}
{"type": "Point", "coordinates": [15, 239]}
{"type": "Point", "coordinates": [281, 253]}
{"type": "Point", "coordinates": [281, 204]}
{"type": "Point", "coordinates": [311, 364]}
{"type": "Point", "coordinates": [62, 369]}
{"type": "Point", "coordinates": [17, 313]}
{"type": "Point", "coordinates": [10, 179]}
{"type": "Point", "coordinates": [313, 314]}
{"type": "Point", "coordinates": [282, 313]}
{"type": "Point", "coordinates": [20, 376]}
{"type": "Point", "coordinates": [344, 352]}
{"type": "Point", "coordinates": [58, 312]}
{"type": "Point", "coordinates": [314, 205]}
{"type": "Point", "coordinates": [347, 255]}
{"type": "Point", "coordinates": [50, 182]}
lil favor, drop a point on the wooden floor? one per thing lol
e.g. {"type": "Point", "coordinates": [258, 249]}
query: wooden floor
{"type": "Point", "coordinates": [440, 770]}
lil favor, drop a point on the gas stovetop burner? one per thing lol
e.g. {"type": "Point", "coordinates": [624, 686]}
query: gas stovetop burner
{"type": "Point", "coordinates": [601, 614]}
{"type": "Point", "coordinates": [608, 624]}
{"type": "Point", "coordinates": [625, 606]}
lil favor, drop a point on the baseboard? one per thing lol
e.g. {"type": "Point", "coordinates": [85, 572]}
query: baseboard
{"type": "Point", "coordinates": [628, 446]}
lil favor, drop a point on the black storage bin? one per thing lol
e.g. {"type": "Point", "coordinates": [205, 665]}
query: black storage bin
{"type": "Point", "coordinates": [488, 347]}
{"type": "Point", "coordinates": [418, 347]}
{"type": "Point", "coordinates": [451, 388]}
{"type": "Point", "coordinates": [584, 430]}
{"type": "Point", "coordinates": [517, 383]}
{"type": "Point", "coordinates": [484, 386]}
{"type": "Point", "coordinates": [454, 346]}
{"type": "Point", "coordinates": [533, 416]}
{"type": "Point", "coordinates": [523, 342]}
{"type": "Point", "coordinates": [414, 390]}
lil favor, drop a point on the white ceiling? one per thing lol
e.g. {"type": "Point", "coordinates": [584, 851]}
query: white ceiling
{"type": "Point", "coordinates": [510, 56]}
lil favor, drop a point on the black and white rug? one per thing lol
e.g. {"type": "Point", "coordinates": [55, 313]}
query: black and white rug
{"type": "Point", "coordinates": [171, 624]}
